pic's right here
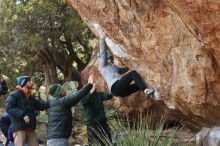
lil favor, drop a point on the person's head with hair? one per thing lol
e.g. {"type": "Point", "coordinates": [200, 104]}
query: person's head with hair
{"type": "Point", "coordinates": [110, 58]}
{"type": "Point", "coordinates": [56, 90]}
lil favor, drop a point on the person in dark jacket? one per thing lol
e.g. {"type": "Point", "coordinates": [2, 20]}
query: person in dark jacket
{"type": "Point", "coordinates": [21, 107]}
{"type": "Point", "coordinates": [3, 85]}
{"type": "Point", "coordinates": [119, 80]}
{"type": "Point", "coordinates": [97, 127]}
{"type": "Point", "coordinates": [60, 117]}
{"type": "Point", "coordinates": [7, 128]}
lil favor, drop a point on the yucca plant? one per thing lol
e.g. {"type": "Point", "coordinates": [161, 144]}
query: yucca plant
{"type": "Point", "coordinates": [138, 134]}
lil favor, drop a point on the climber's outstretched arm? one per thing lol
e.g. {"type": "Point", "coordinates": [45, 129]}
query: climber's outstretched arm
{"type": "Point", "coordinates": [103, 50]}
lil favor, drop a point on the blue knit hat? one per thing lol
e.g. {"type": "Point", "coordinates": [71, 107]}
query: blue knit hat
{"type": "Point", "coordinates": [22, 80]}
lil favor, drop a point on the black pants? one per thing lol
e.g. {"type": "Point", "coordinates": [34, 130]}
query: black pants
{"type": "Point", "coordinates": [123, 87]}
{"type": "Point", "coordinates": [98, 133]}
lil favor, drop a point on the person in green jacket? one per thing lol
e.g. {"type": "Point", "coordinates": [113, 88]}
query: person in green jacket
{"type": "Point", "coordinates": [97, 126]}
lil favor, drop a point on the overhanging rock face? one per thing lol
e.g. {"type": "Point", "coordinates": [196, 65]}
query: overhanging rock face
{"type": "Point", "coordinates": [173, 44]}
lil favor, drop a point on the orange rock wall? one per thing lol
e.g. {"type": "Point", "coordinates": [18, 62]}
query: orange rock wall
{"type": "Point", "coordinates": [173, 44]}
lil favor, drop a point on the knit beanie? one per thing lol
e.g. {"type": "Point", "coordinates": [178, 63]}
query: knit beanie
{"type": "Point", "coordinates": [55, 90]}
{"type": "Point", "coordinates": [22, 80]}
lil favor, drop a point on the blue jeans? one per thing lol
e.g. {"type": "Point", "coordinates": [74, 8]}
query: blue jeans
{"type": "Point", "coordinates": [58, 142]}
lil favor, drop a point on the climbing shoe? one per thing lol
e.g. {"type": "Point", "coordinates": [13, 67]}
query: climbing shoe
{"type": "Point", "coordinates": [153, 93]}
{"type": "Point", "coordinates": [1, 143]}
{"type": "Point", "coordinates": [149, 92]}
{"type": "Point", "coordinates": [157, 95]}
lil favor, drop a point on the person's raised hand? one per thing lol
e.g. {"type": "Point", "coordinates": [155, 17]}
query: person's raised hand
{"type": "Point", "coordinates": [91, 79]}
{"type": "Point", "coordinates": [93, 88]}
{"type": "Point", "coordinates": [102, 35]}
{"type": "Point", "coordinates": [26, 119]}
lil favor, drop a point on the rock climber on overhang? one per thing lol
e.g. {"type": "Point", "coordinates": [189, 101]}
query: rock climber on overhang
{"type": "Point", "coordinates": [119, 80]}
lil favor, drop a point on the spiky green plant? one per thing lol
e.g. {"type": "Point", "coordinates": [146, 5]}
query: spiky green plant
{"type": "Point", "coordinates": [138, 134]}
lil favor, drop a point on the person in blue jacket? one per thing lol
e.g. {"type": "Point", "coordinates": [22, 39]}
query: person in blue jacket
{"type": "Point", "coordinates": [6, 126]}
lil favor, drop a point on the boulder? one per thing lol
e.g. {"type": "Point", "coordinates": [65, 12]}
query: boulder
{"type": "Point", "coordinates": [174, 45]}
{"type": "Point", "coordinates": [208, 137]}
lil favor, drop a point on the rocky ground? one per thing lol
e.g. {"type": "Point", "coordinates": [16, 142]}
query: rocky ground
{"type": "Point", "coordinates": [41, 133]}
{"type": "Point", "coordinates": [184, 136]}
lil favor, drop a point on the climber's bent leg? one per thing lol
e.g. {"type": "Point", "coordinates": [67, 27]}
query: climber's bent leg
{"type": "Point", "coordinates": [123, 87]}
{"type": "Point", "coordinates": [134, 76]}
{"type": "Point", "coordinates": [119, 89]}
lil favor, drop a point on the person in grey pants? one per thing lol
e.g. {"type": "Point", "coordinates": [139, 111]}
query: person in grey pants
{"type": "Point", "coordinates": [119, 80]}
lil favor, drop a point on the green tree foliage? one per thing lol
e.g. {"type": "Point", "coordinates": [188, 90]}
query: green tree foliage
{"type": "Point", "coordinates": [43, 36]}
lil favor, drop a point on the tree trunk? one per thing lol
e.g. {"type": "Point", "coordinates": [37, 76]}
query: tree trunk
{"type": "Point", "coordinates": [64, 63]}
{"type": "Point", "coordinates": [70, 73]}
{"type": "Point", "coordinates": [68, 42]}
{"type": "Point", "coordinates": [49, 67]}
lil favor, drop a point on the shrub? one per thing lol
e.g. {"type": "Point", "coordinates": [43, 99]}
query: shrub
{"type": "Point", "coordinates": [138, 134]}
